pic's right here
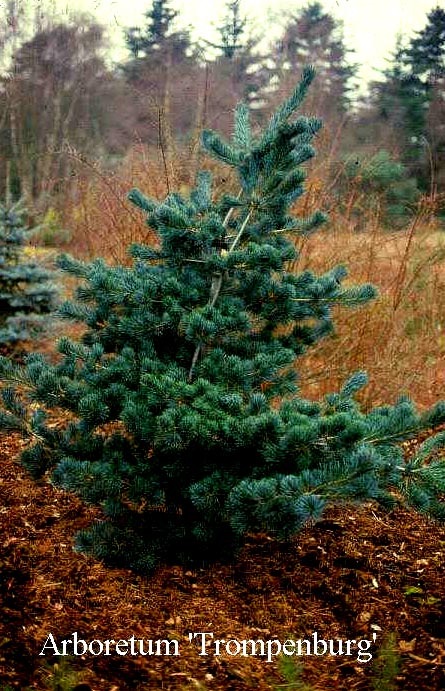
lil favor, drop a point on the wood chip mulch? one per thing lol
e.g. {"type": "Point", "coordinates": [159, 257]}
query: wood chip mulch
{"type": "Point", "coordinates": [357, 573]}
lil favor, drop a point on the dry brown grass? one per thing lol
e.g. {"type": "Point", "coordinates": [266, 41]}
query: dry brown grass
{"type": "Point", "coordinates": [97, 212]}
{"type": "Point", "coordinates": [399, 339]}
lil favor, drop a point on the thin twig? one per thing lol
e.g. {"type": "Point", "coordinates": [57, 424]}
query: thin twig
{"type": "Point", "coordinates": [398, 291]}
{"type": "Point", "coordinates": [162, 148]}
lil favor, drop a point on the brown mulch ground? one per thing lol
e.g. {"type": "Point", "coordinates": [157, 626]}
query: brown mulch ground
{"type": "Point", "coordinates": [358, 572]}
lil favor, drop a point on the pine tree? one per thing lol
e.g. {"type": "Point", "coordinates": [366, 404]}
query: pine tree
{"type": "Point", "coordinates": [409, 101]}
{"type": "Point", "coordinates": [158, 32]}
{"type": "Point", "coordinates": [312, 33]}
{"type": "Point", "coordinates": [235, 72]}
{"type": "Point", "coordinates": [426, 52]}
{"type": "Point", "coordinates": [26, 296]}
{"type": "Point", "coordinates": [164, 76]}
{"type": "Point", "coordinates": [381, 186]}
{"type": "Point", "coordinates": [231, 31]}
{"type": "Point", "coordinates": [425, 58]}
{"type": "Point", "coordinates": [397, 115]}
{"type": "Point", "coordinates": [183, 419]}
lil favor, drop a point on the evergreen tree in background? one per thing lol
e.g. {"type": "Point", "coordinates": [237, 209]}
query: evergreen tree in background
{"type": "Point", "coordinates": [25, 294]}
{"type": "Point", "coordinates": [314, 34]}
{"type": "Point", "coordinates": [425, 58]}
{"type": "Point", "coordinates": [397, 116]}
{"type": "Point", "coordinates": [235, 72]}
{"type": "Point", "coordinates": [401, 103]}
{"type": "Point", "coordinates": [231, 31]}
{"type": "Point", "coordinates": [164, 76]}
{"type": "Point", "coordinates": [157, 33]}
{"type": "Point", "coordinates": [379, 185]}
{"type": "Point", "coordinates": [409, 101]}
{"type": "Point", "coordinates": [183, 420]}
{"type": "Point", "coordinates": [426, 52]}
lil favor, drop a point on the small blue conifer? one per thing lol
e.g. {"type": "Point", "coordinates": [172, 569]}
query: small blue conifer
{"type": "Point", "coordinates": [26, 294]}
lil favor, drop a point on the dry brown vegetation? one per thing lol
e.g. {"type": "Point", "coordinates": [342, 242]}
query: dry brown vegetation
{"type": "Point", "coordinates": [399, 338]}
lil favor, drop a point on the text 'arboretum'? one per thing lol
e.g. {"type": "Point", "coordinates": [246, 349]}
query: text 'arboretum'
{"type": "Point", "coordinates": [207, 644]}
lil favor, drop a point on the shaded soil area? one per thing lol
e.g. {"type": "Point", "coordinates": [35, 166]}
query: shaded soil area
{"type": "Point", "coordinates": [356, 573]}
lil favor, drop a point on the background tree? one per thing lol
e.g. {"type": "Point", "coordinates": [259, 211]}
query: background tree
{"type": "Point", "coordinates": [56, 96]}
{"type": "Point", "coordinates": [164, 75]}
{"type": "Point", "coordinates": [12, 32]}
{"type": "Point", "coordinates": [231, 31]}
{"type": "Point", "coordinates": [397, 113]}
{"type": "Point", "coordinates": [315, 36]}
{"type": "Point", "coordinates": [425, 58]}
{"type": "Point", "coordinates": [12, 28]}
{"type": "Point", "coordinates": [235, 70]}
{"type": "Point", "coordinates": [376, 186]}
{"type": "Point", "coordinates": [158, 33]}
{"type": "Point", "coordinates": [426, 52]}
{"type": "Point", "coordinates": [409, 103]}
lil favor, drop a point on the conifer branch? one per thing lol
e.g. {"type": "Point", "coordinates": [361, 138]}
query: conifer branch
{"type": "Point", "coordinates": [397, 436]}
{"type": "Point", "coordinates": [218, 280]}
